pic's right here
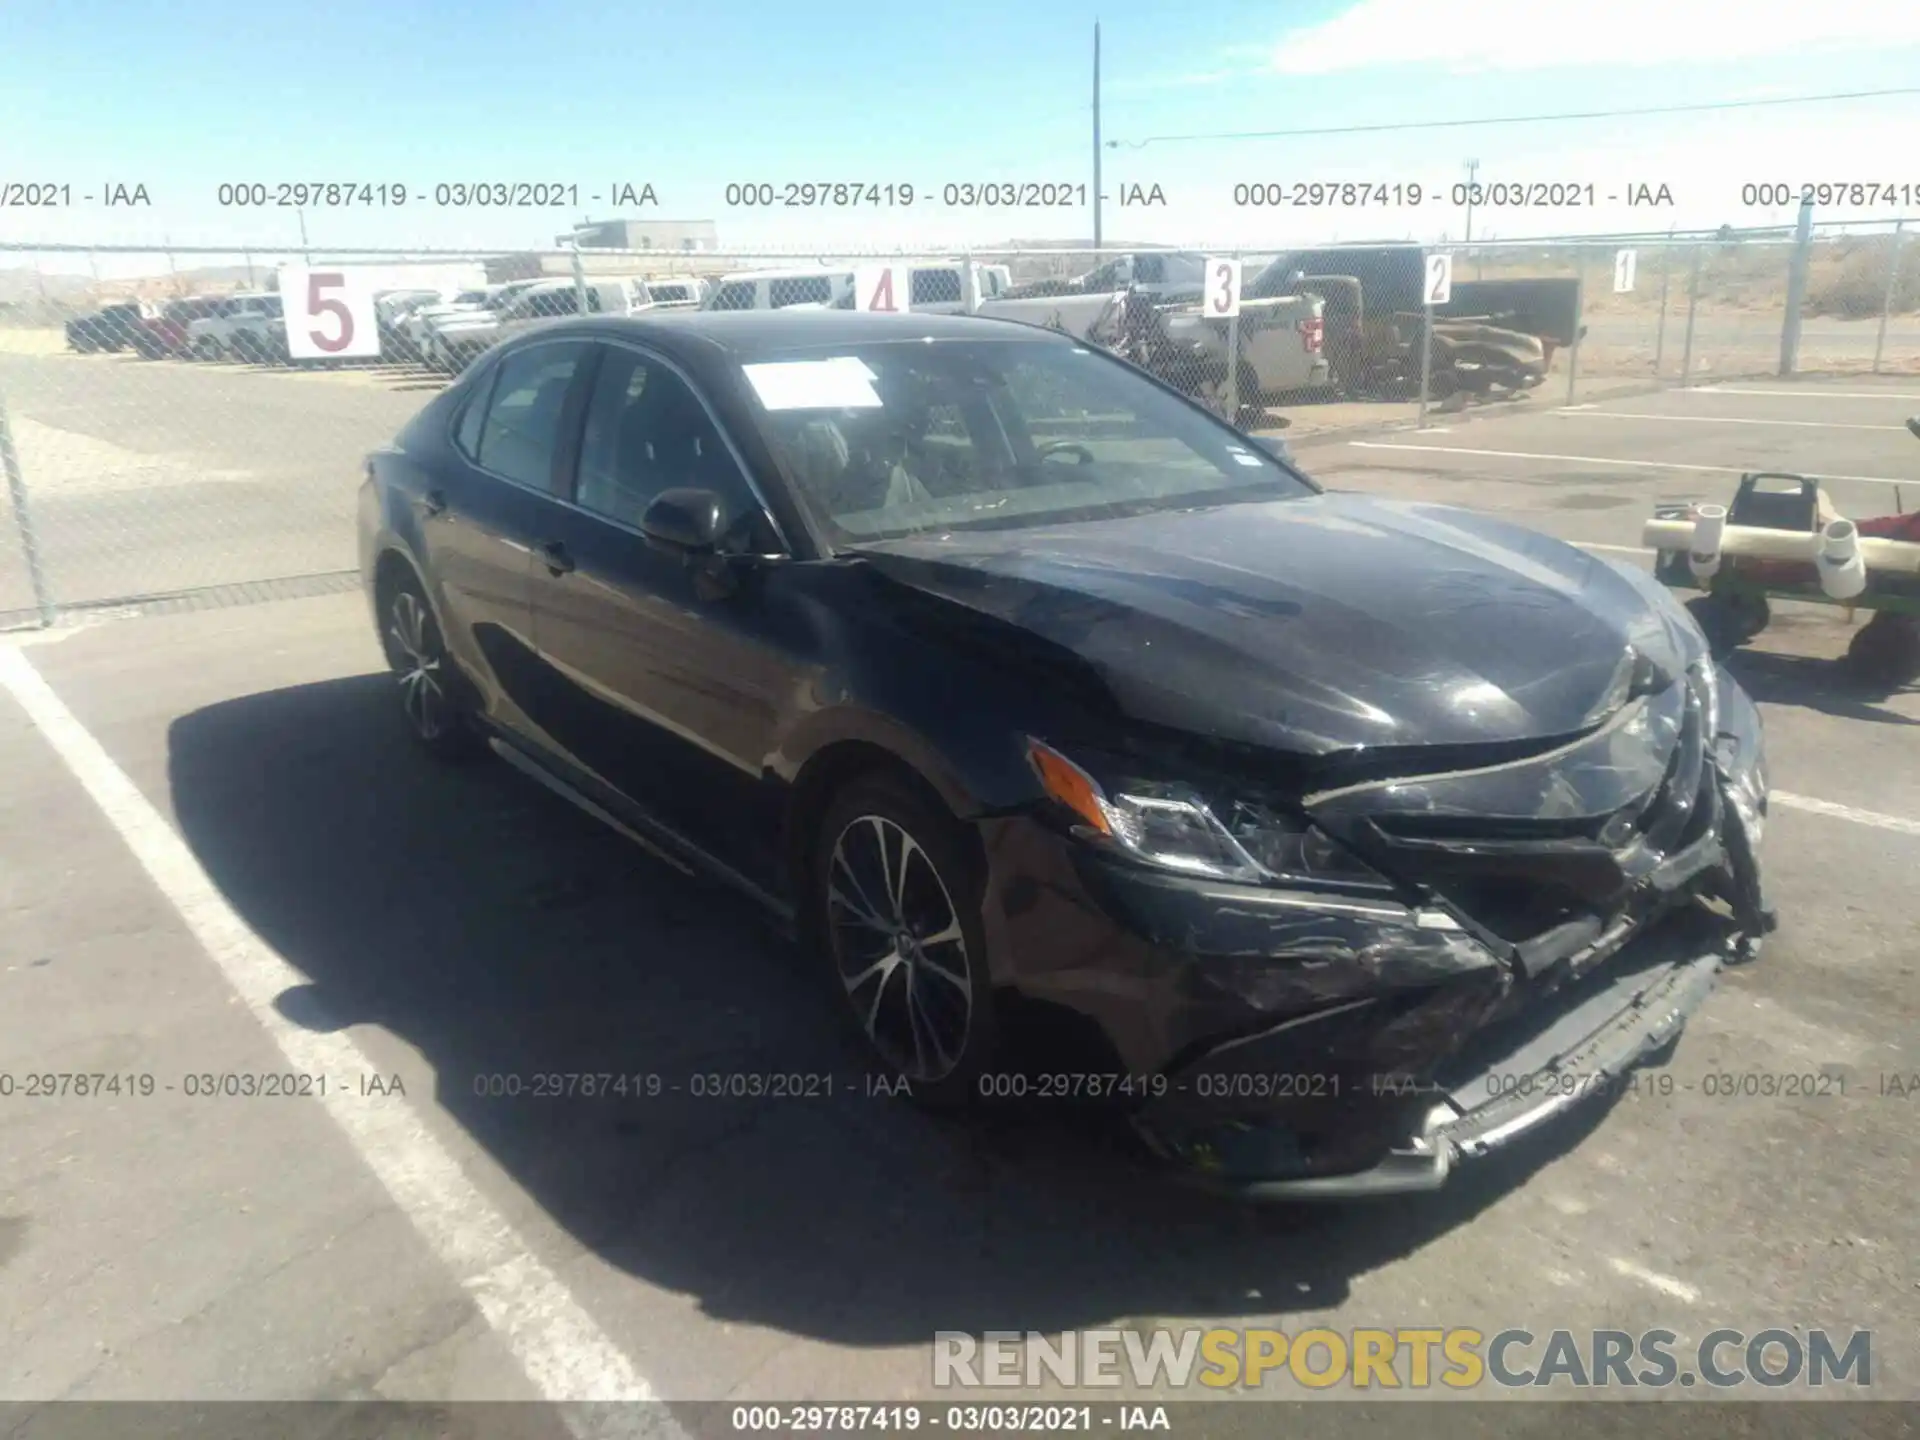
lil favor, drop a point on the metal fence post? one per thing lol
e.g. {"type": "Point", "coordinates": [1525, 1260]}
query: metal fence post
{"type": "Point", "coordinates": [1233, 364]}
{"type": "Point", "coordinates": [969, 284]}
{"type": "Point", "coordinates": [1693, 304]}
{"type": "Point", "coordinates": [1796, 289]}
{"type": "Point", "coordinates": [1666, 274]}
{"type": "Point", "coordinates": [1426, 351]}
{"type": "Point", "coordinates": [579, 280]}
{"type": "Point", "coordinates": [1886, 305]}
{"type": "Point", "coordinates": [23, 520]}
{"type": "Point", "coordinates": [1579, 325]}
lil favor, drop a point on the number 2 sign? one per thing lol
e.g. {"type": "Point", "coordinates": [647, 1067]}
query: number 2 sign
{"type": "Point", "coordinates": [329, 312]}
{"type": "Point", "coordinates": [1222, 299]}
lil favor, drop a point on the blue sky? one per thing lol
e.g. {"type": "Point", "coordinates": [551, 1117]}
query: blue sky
{"type": "Point", "coordinates": [690, 98]}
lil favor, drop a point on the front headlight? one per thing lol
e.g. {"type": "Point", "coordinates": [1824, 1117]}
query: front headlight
{"type": "Point", "coordinates": [1174, 828]}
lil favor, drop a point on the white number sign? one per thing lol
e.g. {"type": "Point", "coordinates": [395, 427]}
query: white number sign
{"type": "Point", "coordinates": [1439, 278]}
{"type": "Point", "coordinates": [1223, 288]}
{"type": "Point", "coordinates": [1623, 262]}
{"type": "Point", "coordinates": [881, 289]}
{"type": "Point", "coordinates": [329, 312]}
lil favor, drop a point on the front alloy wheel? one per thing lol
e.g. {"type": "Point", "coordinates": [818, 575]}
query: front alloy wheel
{"type": "Point", "coordinates": [425, 675]}
{"type": "Point", "coordinates": [898, 925]}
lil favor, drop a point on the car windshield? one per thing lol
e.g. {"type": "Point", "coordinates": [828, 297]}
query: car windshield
{"type": "Point", "coordinates": [907, 437]}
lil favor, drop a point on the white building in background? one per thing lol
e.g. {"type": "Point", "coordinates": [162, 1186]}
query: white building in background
{"type": "Point", "coordinates": [682, 236]}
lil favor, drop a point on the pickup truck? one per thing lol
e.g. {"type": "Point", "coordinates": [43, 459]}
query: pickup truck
{"type": "Point", "coordinates": [110, 329]}
{"type": "Point", "coordinates": [164, 333]}
{"type": "Point", "coordinates": [1492, 335]}
{"type": "Point", "coordinates": [1282, 349]}
{"type": "Point", "coordinates": [417, 329]}
{"type": "Point", "coordinates": [1163, 274]}
{"type": "Point", "coordinates": [461, 339]}
{"type": "Point", "coordinates": [240, 329]}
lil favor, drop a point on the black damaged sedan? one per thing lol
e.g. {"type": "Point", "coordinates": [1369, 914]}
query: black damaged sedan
{"type": "Point", "coordinates": [1337, 839]}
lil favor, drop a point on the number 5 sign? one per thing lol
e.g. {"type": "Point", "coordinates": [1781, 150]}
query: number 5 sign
{"type": "Point", "coordinates": [1222, 300]}
{"type": "Point", "coordinates": [329, 312]}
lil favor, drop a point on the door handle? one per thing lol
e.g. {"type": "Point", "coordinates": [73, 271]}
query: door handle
{"type": "Point", "coordinates": [559, 562]}
{"type": "Point", "coordinates": [434, 502]}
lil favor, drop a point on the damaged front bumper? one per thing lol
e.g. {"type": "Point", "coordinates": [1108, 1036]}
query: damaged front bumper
{"type": "Point", "coordinates": [1583, 1047]}
{"type": "Point", "coordinates": [1308, 1046]}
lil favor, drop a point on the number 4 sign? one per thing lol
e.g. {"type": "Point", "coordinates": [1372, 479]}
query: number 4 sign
{"type": "Point", "coordinates": [1439, 278]}
{"type": "Point", "coordinates": [329, 312]}
{"type": "Point", "coordinates": [1223, 288]}
{"type": "Point", "coordinates": [881, 289]}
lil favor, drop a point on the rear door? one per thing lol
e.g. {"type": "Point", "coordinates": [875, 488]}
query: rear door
{"type": "Point", "coordinates": [486, 506]}
{"type": "Point", "coordinates": [664, 691]}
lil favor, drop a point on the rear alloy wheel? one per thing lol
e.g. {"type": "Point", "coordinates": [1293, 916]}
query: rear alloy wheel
{"type": "Point", "coordinates": [899, 918]}
{"type": "Point", "coordinates": [428, 683]}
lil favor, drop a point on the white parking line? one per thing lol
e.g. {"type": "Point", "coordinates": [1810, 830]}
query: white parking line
{"type": "Point", "coordinates": [1665, 1284]}
{"type": "Point", "coordinates": [1801, 394]}
{"type": "Point", "coordinates": [1612, 460]}
{"type": "Point", "coordinates": [1897, 823]}
{"type": "Point", "coordinates": [1714, 420]}
{"type": "Point", "coordinates": [564, 1353]}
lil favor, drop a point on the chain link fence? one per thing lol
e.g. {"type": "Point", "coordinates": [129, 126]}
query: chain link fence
{"type": "Point", "coordinates": [162, 433]}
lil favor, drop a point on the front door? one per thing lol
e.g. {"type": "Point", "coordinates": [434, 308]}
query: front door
{"type": "Point", "coordinates": [661, 689]}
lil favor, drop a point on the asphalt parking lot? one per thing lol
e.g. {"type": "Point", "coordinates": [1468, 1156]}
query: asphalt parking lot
{"type": "Point", "coordinates": [218, 853]}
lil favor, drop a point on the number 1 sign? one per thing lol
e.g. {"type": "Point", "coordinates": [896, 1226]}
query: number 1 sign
{"type": "Point", "coordinates": [329, 312]}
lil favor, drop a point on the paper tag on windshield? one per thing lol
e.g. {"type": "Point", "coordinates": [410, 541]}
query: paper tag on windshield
{"type": "Point", "coordinates": [843, 383]}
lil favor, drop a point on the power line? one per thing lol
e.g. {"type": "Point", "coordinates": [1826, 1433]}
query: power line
{"type": "Point", "coordinates": [1510, 119]}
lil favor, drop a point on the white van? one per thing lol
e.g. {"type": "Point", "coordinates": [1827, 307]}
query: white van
{"type": "Point", "coordinates": [934, 288]}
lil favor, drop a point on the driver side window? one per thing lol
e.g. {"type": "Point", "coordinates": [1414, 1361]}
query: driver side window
{"type": "Point", "coordinates": [646, 432]}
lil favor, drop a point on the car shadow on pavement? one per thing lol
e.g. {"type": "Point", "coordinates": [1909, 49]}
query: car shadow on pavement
{"type": "Point", "coordinates": [508, 937]}
{"type": "Point", "coordinates": [1811, 683]}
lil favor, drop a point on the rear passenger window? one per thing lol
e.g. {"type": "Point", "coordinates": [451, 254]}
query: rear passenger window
{"type": "Point", "coordinates": [521, 433]}
{"type": "Point", "coordinates": [466, 436]}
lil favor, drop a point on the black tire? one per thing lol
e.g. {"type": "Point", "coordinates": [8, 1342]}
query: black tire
{"type": "Point", "coordinates": [434, 700]}
{"type": "Point", "coordinates": [1729, 621]}
{"type": "Point", "coordinates": [922, 1010]}
{"type": "Point", "coordinates": [1885, 655]}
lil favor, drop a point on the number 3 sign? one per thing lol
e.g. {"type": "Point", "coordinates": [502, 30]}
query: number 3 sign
{"type": "Point", "coordinates": [1222, 301]}
{"type": "Point", "coordinates": [329, 312]}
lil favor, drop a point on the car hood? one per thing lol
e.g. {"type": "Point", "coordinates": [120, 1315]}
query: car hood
{"type": "Point", "coordinates": [1322, 623]}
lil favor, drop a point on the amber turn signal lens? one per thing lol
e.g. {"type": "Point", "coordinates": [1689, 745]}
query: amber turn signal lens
{"type": "Point", "coordinates": [1069, 784]}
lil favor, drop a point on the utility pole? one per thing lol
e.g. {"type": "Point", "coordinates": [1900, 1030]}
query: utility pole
{"type": "Point", "coordinates": [1096, 135]}
{"type": "Point", "coordinates": [305, 254]}
{"type": "Point", "coordinates": [1473, 169]}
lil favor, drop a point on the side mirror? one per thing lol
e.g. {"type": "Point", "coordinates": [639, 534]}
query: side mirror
{"type": "Point", "coordinates": [1913, 424]}
{"type": "Point", "coordinates": [684, 522]}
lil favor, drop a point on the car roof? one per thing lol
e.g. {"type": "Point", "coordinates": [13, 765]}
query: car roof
{"type": "Point", "coordinates": [744, 334]}
{"type": "Point", "coordinates": [923, 262]}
